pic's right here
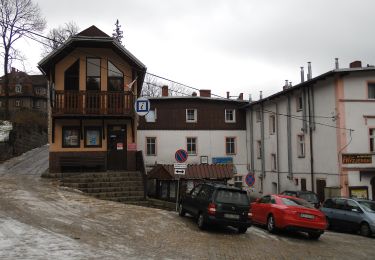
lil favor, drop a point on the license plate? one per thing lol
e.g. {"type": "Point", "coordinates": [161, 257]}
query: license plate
{"type": "Point", "coordinates": [303, 215]}
{"type": "Point", "coordinates": [231, 216]}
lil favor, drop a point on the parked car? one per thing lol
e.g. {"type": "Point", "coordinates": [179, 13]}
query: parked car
{"type": "Point", "coordinates": [350, 214]}
{"type": "Point", "coordinates": [309, 196]}
{"type": "Point", "coordinates": [219, 204]}
{"type": "Point", "coordinates": [289, 213]}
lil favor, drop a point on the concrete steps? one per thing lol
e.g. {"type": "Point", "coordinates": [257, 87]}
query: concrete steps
{"type": "Point", "coordinates": [126, 187]}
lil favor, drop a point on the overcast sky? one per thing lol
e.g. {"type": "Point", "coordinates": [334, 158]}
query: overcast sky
{"type": "Point", "coordinates": [227, 45]}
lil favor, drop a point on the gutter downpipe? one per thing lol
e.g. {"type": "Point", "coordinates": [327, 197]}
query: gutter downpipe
{"type": "Point", "coordinates": [251, 141]}
{"type": "Point", "coordinates": [311, 139]}
{"type": "Point", "coordinates": [262, 145]}
{"type": "Point", "coordinates": [290, 165]}
{"type": "Point", "coordinates": [277, 146]}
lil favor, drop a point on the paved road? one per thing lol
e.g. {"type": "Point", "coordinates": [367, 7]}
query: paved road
{"type": "Point", "coordinates": [39, 220]}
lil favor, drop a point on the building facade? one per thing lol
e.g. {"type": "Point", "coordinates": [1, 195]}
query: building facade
{"type": "Point", "coordinates": [25, 92]}
{"type": "Point", "coordinates": [304, 137]}
{"type": "Point", "coordinates": [94, 82]}
{"type": "Point", "coordinates": [211, 130]}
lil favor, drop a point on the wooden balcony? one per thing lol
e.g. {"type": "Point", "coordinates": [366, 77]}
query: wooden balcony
{"type": "Point", "coordinates": [93, 103]}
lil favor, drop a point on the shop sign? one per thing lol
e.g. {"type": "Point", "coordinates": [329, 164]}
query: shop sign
{"type": "Point", "coordinates": [132, 147]}
{"type": "Point", "coordinates": [222, 160]}
{"type": "Point", "coordinates": [356, 158]}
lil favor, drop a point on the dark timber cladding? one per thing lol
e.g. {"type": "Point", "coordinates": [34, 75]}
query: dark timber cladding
{"type": "Point", "coordinates": [171, 114]}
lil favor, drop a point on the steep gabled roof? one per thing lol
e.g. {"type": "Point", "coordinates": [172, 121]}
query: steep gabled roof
{"type": "Point", "coordinates": [92, 31]}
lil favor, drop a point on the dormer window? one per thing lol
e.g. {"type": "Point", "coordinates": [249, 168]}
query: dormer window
{"type": "Point", "coordinates": [115, 78]}
{"type": "Point", "coordinates": [191, 115]}
{"type": "Point", "coordinates": [230, 116]}
{"type": "Point", "coordinates": [93, 74]}
{"type": "Point", "coordinates": [18, 88]}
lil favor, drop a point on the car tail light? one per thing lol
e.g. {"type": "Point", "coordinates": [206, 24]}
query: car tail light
{"type": "Point", "coordinates": [211, 209]}
{"type": "Point", "coordinates": [249, 214]}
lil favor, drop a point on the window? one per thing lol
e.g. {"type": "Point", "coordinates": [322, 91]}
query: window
{"type": "Point", "coordinates": [238, 181]}
{"type": "Point", "coordinates": [371, 90]}
{"type": "Point", "coordinates": [93, 74]}
{"type": "Point", "coordinates": [301, 146]}
{"type": "Point", "coordinates": [272, 124]}
{"type": "Point", "coordinates": [71, 137]}
{"type": "Point", "coordinates": [150, 117]}
{"type": "Point", "coordinates": [191, 146]}
{"type": "Point", "coordinates": [230, 116]}
{"type": "Point", "coordinates": [230, 145]}
{"type": "Point", "coordinates": [18, 88]}
{"type": "Point", "coordinates": [258, 116]}
{"type": "Point", "coordinates": [37, 103]}
{"type": "Point", "coordinates": [273, 162]}
{"type": "Point", "coordinates": [71, 77]}
{"type": "Point", "coordinates": [265, 199]}
{"type": "Point", "coordinates": [259, 149]}
{"type": "Point", "coordinates": [115, 78]}
{"type": "Point", "coordinates": [299, 102]}
{"type": "Point", "coordinates": [150, 146]}
{"type": "Point", "coordinates": [372, 139]}
{"type": "Point", "coordinates": [93, 137]}
{"type": "Point", "coordinates": [17, 103]}
{"type": "Point", "coordinates": [191, 115]}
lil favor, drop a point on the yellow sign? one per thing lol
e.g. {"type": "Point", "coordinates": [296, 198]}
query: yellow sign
{"type": "Point", "coordinates": [356, 158]}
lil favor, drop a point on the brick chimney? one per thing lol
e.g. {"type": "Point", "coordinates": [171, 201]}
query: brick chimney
{"type": "Point", "coordinates": [205, 93]}
{"type": "Point", "coordinates": [355, 64]}
{"type": "Point", "coordinates": [164, 91]}
{"type": "Point", "coordinates": [240, 97]}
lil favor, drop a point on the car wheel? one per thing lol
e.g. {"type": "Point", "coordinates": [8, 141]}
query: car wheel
{"type": "Point", "coordinates": [271, 224]}
{"type": "Point", "coordinates": [200, 221]}
{"type": "Point", "coordinates": [365, 230]}
{"type": "Point", "coordinates": [181, 210]}
{"type": "Point", "coordinates": [242, 230]}
{"type": "Point", "coordinates": [314, 235]}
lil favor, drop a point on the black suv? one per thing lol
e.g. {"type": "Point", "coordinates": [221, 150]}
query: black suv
{"type": "Point", "coordinates": [213, 203]}
{"type": "Point", "coordinates": [309, 196]}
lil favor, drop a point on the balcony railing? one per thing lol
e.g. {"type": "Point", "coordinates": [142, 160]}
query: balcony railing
{"type": "Point", "coordinates": [92, 103]}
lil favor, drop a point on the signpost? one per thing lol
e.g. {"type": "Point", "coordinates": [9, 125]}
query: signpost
{"type": "Point", "coordinates": [181, 155]}
{"type": "Point", "coordinates": [142, 106]}
{"type": "Point", "coordinates": [180, 169]}
{"type": "Point", "coordinates": [250, 179]}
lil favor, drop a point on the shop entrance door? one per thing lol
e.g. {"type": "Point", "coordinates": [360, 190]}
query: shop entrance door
{"type": "Point", "coordinates": [320, 185]}
{"type": "Point", "coordinates": [116, 159]}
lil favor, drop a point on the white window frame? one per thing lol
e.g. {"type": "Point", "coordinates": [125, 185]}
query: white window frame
{"type": "Point", "coordinates": [190, 151]}
{"type": "Point", "coordinates": [147, 146]}
{"type": "Point", "coordinates": [273, 162]}
{"type": "Point", "coordinates": [228, 141]}
{"type": "Point", "coordinates": [228, 114]}
{"type": "Point", "coordinates": [272, 122]}
{"type": "Point", "coordinates": [301, 147]}
{"type": "Point", "coordinates": [194, 120]}
{"type": "Point", "coordinates": [18, 88]}
{"type": "Point", "coordinates": [259, 149]}
{"type": "Point", "coordinates": [372, 139]}
{"type": "Point", "coordinates": [370, 84]}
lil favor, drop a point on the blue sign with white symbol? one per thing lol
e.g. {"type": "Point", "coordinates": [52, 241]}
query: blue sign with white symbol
{"type": "Point", "coordinates": [250, 179]}
{"type": "Point", "coordinates": [181, 155]}
{"type": "Point", "coordinates": [222, 160]}
{"type": "Point", "coordinates": [142, 106]}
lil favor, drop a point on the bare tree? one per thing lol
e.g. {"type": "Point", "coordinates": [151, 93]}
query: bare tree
{"type": "Point", "coordinates": [58, 36]}
{"type": "Point", "coordinates": [18, 18]}
{"type": "Point", "coordinates": [152, 87]}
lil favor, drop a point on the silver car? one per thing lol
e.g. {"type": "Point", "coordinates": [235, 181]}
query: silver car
{"type": "Point", "coordinates": [350, 214]}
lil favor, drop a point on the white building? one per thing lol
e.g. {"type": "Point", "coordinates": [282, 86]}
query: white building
{"type": "Point", "coordinates": [303, 138]}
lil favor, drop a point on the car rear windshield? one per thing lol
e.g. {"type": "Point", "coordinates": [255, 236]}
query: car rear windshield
{"type": "Point", "coordinates": [368, 205]}
{"type": "Point", "coordinates": [309, 197]}
{"type": "Point", "coordinates": [296, 202]}
{"type": "Point", "coordinates": [232, 197]}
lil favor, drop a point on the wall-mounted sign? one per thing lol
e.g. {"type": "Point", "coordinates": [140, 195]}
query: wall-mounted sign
{"type": "Point", "coordinates": [142, 106]}
{"type": "Point", "coordinates": [132, 147]}
{"type": "Point", "coordinates": [359, 192]}
{"type": "Point", "coordinates": [120, 146]}
{"type": "Point", "coordinates": [222, 160]}
{"type": "Point", "coordinates": [204, 159]}
{"type": "Point", "coordinates": [356, 158]}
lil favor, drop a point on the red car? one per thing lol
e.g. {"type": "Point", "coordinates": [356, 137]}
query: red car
{"type": "Point", "coordinates": [290, 213]}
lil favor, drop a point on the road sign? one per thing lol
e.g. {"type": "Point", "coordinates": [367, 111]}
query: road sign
{"type": "Point", "coordinates": [250, 179]}
{"type": "Point", "coordinates": [179, 171]}
{"type": "Point", "coordinates": [180, 165]}
{"type": "Point", "coordinates": [142, 106]}
{"type": "Point", "coordinates": [181, 155]}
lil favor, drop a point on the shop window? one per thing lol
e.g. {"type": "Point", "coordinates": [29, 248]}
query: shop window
{"type": "Point", "coordinates": [191, 115]}
{"type": "Point", "coordinates": [93, 137]}
{"type": "Point", "coordinates": [93, 74]}
{"type": "Point", "coordinates": [191, 145]}
{"type": "Point", "coordinates": [71, 137]}
{"type": "Point", "coordinates": [371, 90]}
{"type": "Point", "coordinates": [151, 146]}
{"type": "Point", "coordinates": [230, 145]}
{"type": "Point", "coordinates": [115, 78]}
{"type": "Point", "coordinates": [301, 146]}
{"type": "Point", "coordinates": [230, 116]}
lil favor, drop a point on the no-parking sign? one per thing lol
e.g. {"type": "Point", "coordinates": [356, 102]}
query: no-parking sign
{"type": "Point", "coordinates": [250, 179]}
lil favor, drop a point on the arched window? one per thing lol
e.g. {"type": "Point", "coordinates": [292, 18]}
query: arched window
{"type": "Point", "coordinates": [115, 78]}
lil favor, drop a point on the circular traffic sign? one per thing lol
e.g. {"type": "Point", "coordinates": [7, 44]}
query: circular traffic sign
{"type": "Point", "coordinates": [181, 155]}
{"type": "Point", "coordinates": [142, 106]}
{"type": "Point", "coordinates": [250, 179]}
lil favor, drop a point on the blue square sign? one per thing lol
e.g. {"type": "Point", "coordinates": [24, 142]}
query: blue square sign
{"type": "Point", "coordinates": [142, 106]}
